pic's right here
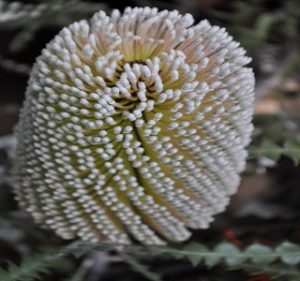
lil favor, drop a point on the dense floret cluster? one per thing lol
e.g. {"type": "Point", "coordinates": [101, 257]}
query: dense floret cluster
{"type": "Point", "coordinates": [134, 127]}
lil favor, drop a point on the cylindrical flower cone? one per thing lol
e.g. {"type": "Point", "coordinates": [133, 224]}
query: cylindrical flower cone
{"type": "Point", "coordinates": [134, 128]}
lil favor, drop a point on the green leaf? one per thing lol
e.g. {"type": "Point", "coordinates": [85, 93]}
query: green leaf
{"type": "Point", "coordinates": [267, 149]}
{"type": "Point", "coordinates": [260, 254]}
{"type": "Point", "coordinates": [32, 266]}
{"type": "Point", "coordinates": [138, 267]}
{"type": "Point", "coordinates": [289, 253]}
{"type": "Point", "coordinates": [231, 253]}
{"type": "Point", "coordinates": [212, 260]}
{"type": "Point", "coordinates": [273, 151]}
{"type": "Point", "coordinates": [197, 249]}
{"type": "Point", "coordinates": [174, 252]}
{"type": "Point", "coordinates": [292, 150]}
{"type": "Point", "coordinates": [80, 250]}
{"type": "Point", "coordinates": [251, 259]}
{"type": "Point", "coordinates": [23, 38]}
{"type": "Point", "coordinates": [156, 251]}
{"type": "Point", "coordinates": [263, 25]}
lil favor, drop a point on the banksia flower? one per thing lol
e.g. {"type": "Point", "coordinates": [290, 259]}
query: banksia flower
{"type": "Point", "coordinates": [134, 127]}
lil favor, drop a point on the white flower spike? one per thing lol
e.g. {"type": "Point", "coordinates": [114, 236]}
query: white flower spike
{"type": "Point", "coordinates": [134, 128]}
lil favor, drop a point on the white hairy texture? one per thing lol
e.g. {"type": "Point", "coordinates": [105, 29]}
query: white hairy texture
{"type": "Point", "coordinates": [134, 127]}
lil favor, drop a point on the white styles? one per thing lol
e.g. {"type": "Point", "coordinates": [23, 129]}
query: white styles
{"type": "Point", "coordinates": [134, 128]}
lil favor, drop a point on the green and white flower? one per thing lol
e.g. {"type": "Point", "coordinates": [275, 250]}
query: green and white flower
{"type": "Point", "coordinates": [134, 127]}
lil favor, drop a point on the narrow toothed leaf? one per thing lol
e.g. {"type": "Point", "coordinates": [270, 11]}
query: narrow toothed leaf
{"type": "Point", "coordinates": [232, 255]}
{"type": "Point", "coordinates": [195, 251]}
{"type": "Point", "coordinates": [289, 253]}
{"type": "Point", "coordinates": [260, 254]}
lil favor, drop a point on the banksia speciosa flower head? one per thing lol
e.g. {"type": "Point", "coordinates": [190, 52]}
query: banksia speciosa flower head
{"type": "Point", "coordinates": [134, 127]}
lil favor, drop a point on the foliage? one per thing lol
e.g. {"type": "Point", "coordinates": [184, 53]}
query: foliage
{"type": "Point", "coordinates": [254, 258]}
{"type": "Point", "coordinates": [274, 151]}
{"type": "Point", "coordinates": [228, 253]}
{"type": "Point", "coordinates": [17, 13]}
{"type": "Point", "coordinates": [264, 22]}
{"type": "Point", "coordinates": [139, 267]}
{"type": "Point", "coordinates": [28, 19]}
{"type": "Point", "coordinates": [32, 267]}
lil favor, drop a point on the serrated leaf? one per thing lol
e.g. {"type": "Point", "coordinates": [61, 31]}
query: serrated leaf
{"type": "Point", "coordinates": [157, 250]}
{"type": "Point", "coordinates": [292, 150]}
{"type": "Point", "coordinates": [23, 38]}
{"type": "Point", "coordinates": [139, 267]}
{"type": "Point", "coordinates": [267, 149]}
{"type": "Point", "coordinates": [177, 254]}
{"type": "Point", "coordinates": [274, 151]}
{"type": "Point", "coordinates": [263, 25]}
{"type": "Point", "coordinates": [80, 251]}
{"type": "Point", "coordinates": [231, 253]}
{"type": "Point", "coordinates": [211, 261]}
{"type": "Point", "coordinates": [195, 250]}
{"type": "Point", "coordinates": [212, 258]}
{"type": "Point", "coordinates": [174, 252]}
{"type": "Point", "coordinates": [260, 254]}
{"type": "Point", "coordinates": [289, 253]}
{"type": "Point", "coordinates": [31, 267]}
